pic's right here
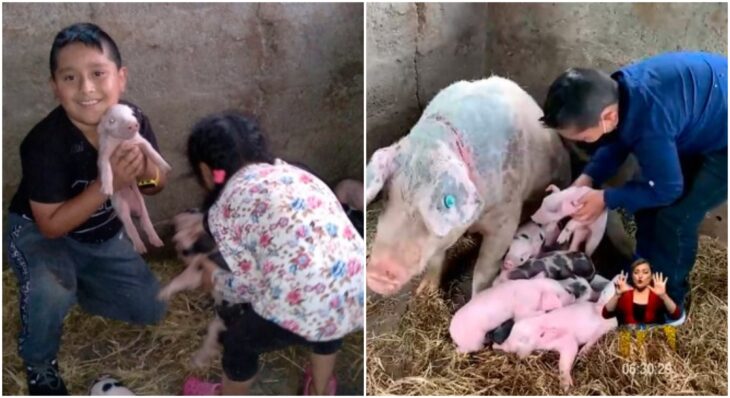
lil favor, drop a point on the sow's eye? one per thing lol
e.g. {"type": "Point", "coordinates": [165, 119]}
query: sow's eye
{"type": "Point", "coordinates": [449, 201]}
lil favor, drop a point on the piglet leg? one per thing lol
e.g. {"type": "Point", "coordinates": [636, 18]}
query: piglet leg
{"type": "Point", "coordinates": [551, 234]}
{"type": "Point", "coordinates": [151, 154]}
{"type": "Point", "coordinates": [188, 280]}
{"type": "Point", "coordinates": [591, 342]}
{"type": "Point", "coordinates": [579, 236]}
{"type": "Point", "coordinates": [210, 346]}
{"type": "Point", "coordinates": [125, 215]}
{"type": "Point", "coordinates": [597, 230]}
{"type": "Point", "coordinates": [105, 171]}
{"type": "Point", "coordinates": [144, 218]}
{"type": "Point", "coordinates": [568, 349]}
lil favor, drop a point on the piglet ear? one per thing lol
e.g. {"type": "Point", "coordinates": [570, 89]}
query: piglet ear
{"type": "Point", "coordinates": [568, 207]}
{"type": "Point", "coordinates": [379, 169]}
{"type": "Point", "coordinates": [549, 301]}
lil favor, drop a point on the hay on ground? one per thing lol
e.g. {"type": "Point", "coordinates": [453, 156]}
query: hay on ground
{"type": "Point", "coordinates": [154, 360]}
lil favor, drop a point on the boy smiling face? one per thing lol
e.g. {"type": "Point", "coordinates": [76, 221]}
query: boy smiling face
{"type": "Point", "coordinates": [87, 82]}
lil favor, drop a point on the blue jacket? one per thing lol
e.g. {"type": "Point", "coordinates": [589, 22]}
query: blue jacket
{"type": "Point", "coordinates": [670, 105]}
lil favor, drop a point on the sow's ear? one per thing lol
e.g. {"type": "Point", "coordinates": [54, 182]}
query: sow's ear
{"type": "Point", "coordinates": [379, 170]}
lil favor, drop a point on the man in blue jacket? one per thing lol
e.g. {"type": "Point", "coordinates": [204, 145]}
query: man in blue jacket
{"type": "Point", "coordinates": [670, 111]}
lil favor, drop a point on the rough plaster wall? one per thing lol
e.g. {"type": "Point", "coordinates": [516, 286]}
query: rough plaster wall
{"type": "Point", "coordinates": [533, 43]}
{"type": "Point", "coordinates": [299, 67]}
{"type": "Point", "coordinates": [414, 50]}
{"type": "Point", "coordinates": [551, 37]}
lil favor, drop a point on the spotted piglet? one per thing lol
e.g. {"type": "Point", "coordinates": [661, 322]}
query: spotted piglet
{"type": "Point", "coordinates": [526, 244]}
{"type": "Point", "coordinates": [574, 270]}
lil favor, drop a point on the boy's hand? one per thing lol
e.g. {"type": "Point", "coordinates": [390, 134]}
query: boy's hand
{"type": "Point", "coordinates": [592, 205]}
{"type": "Point", "coordinates": [128, 163]}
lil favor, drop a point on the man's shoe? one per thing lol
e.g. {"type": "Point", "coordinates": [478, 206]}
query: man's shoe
{"type": "Point", "coordinates": [44, 379]}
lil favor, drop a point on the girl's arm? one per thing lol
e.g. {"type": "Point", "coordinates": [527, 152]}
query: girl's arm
{"type": "Point", "coordinates": [226, 284]}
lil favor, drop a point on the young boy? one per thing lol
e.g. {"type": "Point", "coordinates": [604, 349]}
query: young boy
{"type": "Point", "coordinates": [670, 111]}
{"type": "Point", "coordinates": [65, 242]}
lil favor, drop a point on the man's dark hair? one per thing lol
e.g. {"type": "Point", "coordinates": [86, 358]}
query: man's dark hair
{"type": "Point", "coordinates": [577, 98]}
{"type": "Point", "coordinates": [88, 34]}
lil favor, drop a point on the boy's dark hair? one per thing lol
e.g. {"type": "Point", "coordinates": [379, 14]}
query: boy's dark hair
{"type": "Point", "coordinates": [226, 141]}
{"type": "Point", "coordinates": [577, 98]}
{"type": "Point", "coordinates": [88, 34]}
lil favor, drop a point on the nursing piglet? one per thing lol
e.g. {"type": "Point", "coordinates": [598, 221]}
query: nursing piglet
{"type": "Point", "coordinates": [526, 244]}
{"type": "Point", "coordinates": [560, 264]}
{"type": "Point", "coordinates": [490, 308]}
{"type": "Point", "coordinates": [562, 330]}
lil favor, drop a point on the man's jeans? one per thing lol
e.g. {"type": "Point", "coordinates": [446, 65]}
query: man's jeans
{"type": "Point", "coordinates": [108, 279]}
{"type": "Point", "coordinates": [667, 236]}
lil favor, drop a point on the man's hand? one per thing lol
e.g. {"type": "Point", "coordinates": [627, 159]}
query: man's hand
{"type": "Point", "coordinates": [128, 163]}
{"type": "Point", "coordinates": [583, 181]}
{"type": "Point", "coordinates": [591, 206]}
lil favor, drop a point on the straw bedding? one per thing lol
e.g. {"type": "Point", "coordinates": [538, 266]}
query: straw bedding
{"type": "Point", "coordinates": [156, 359]}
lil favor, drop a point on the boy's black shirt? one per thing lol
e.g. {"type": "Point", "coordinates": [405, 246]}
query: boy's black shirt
{"type": "Point", "coordinates": [59, 163]}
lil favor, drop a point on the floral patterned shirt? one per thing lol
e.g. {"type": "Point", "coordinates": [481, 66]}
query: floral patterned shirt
{"type": "Point", "coordinates": [293, 253]}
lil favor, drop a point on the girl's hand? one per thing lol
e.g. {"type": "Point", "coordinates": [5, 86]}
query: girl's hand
{"type": "Point", "coordinates": [660, 284]}
{"type": "Point", "coordinates": [621, 285]}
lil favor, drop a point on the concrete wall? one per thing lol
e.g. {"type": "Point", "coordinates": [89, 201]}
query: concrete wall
{"type": "Point", "coordinates": [414, 50]}
{"type": "Point", "coordinates": [533, 43]}
{"type": "Point", "coordinates": [299, 67]}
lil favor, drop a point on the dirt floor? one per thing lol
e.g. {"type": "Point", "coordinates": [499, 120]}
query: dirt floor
{"type": "Point", "coordinates": [409, 351]}
{"type": "Point", "coordinates": [155, 360]}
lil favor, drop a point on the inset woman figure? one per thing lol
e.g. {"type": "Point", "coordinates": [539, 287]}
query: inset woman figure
{"type": "Point", "coordinates": [642, 303]}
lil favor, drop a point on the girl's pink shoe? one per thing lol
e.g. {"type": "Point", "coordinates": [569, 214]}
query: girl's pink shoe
{"type": "Point", "coordinates": [196, 386]}
{"type": "Point", "coordinates": [331, 388]}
